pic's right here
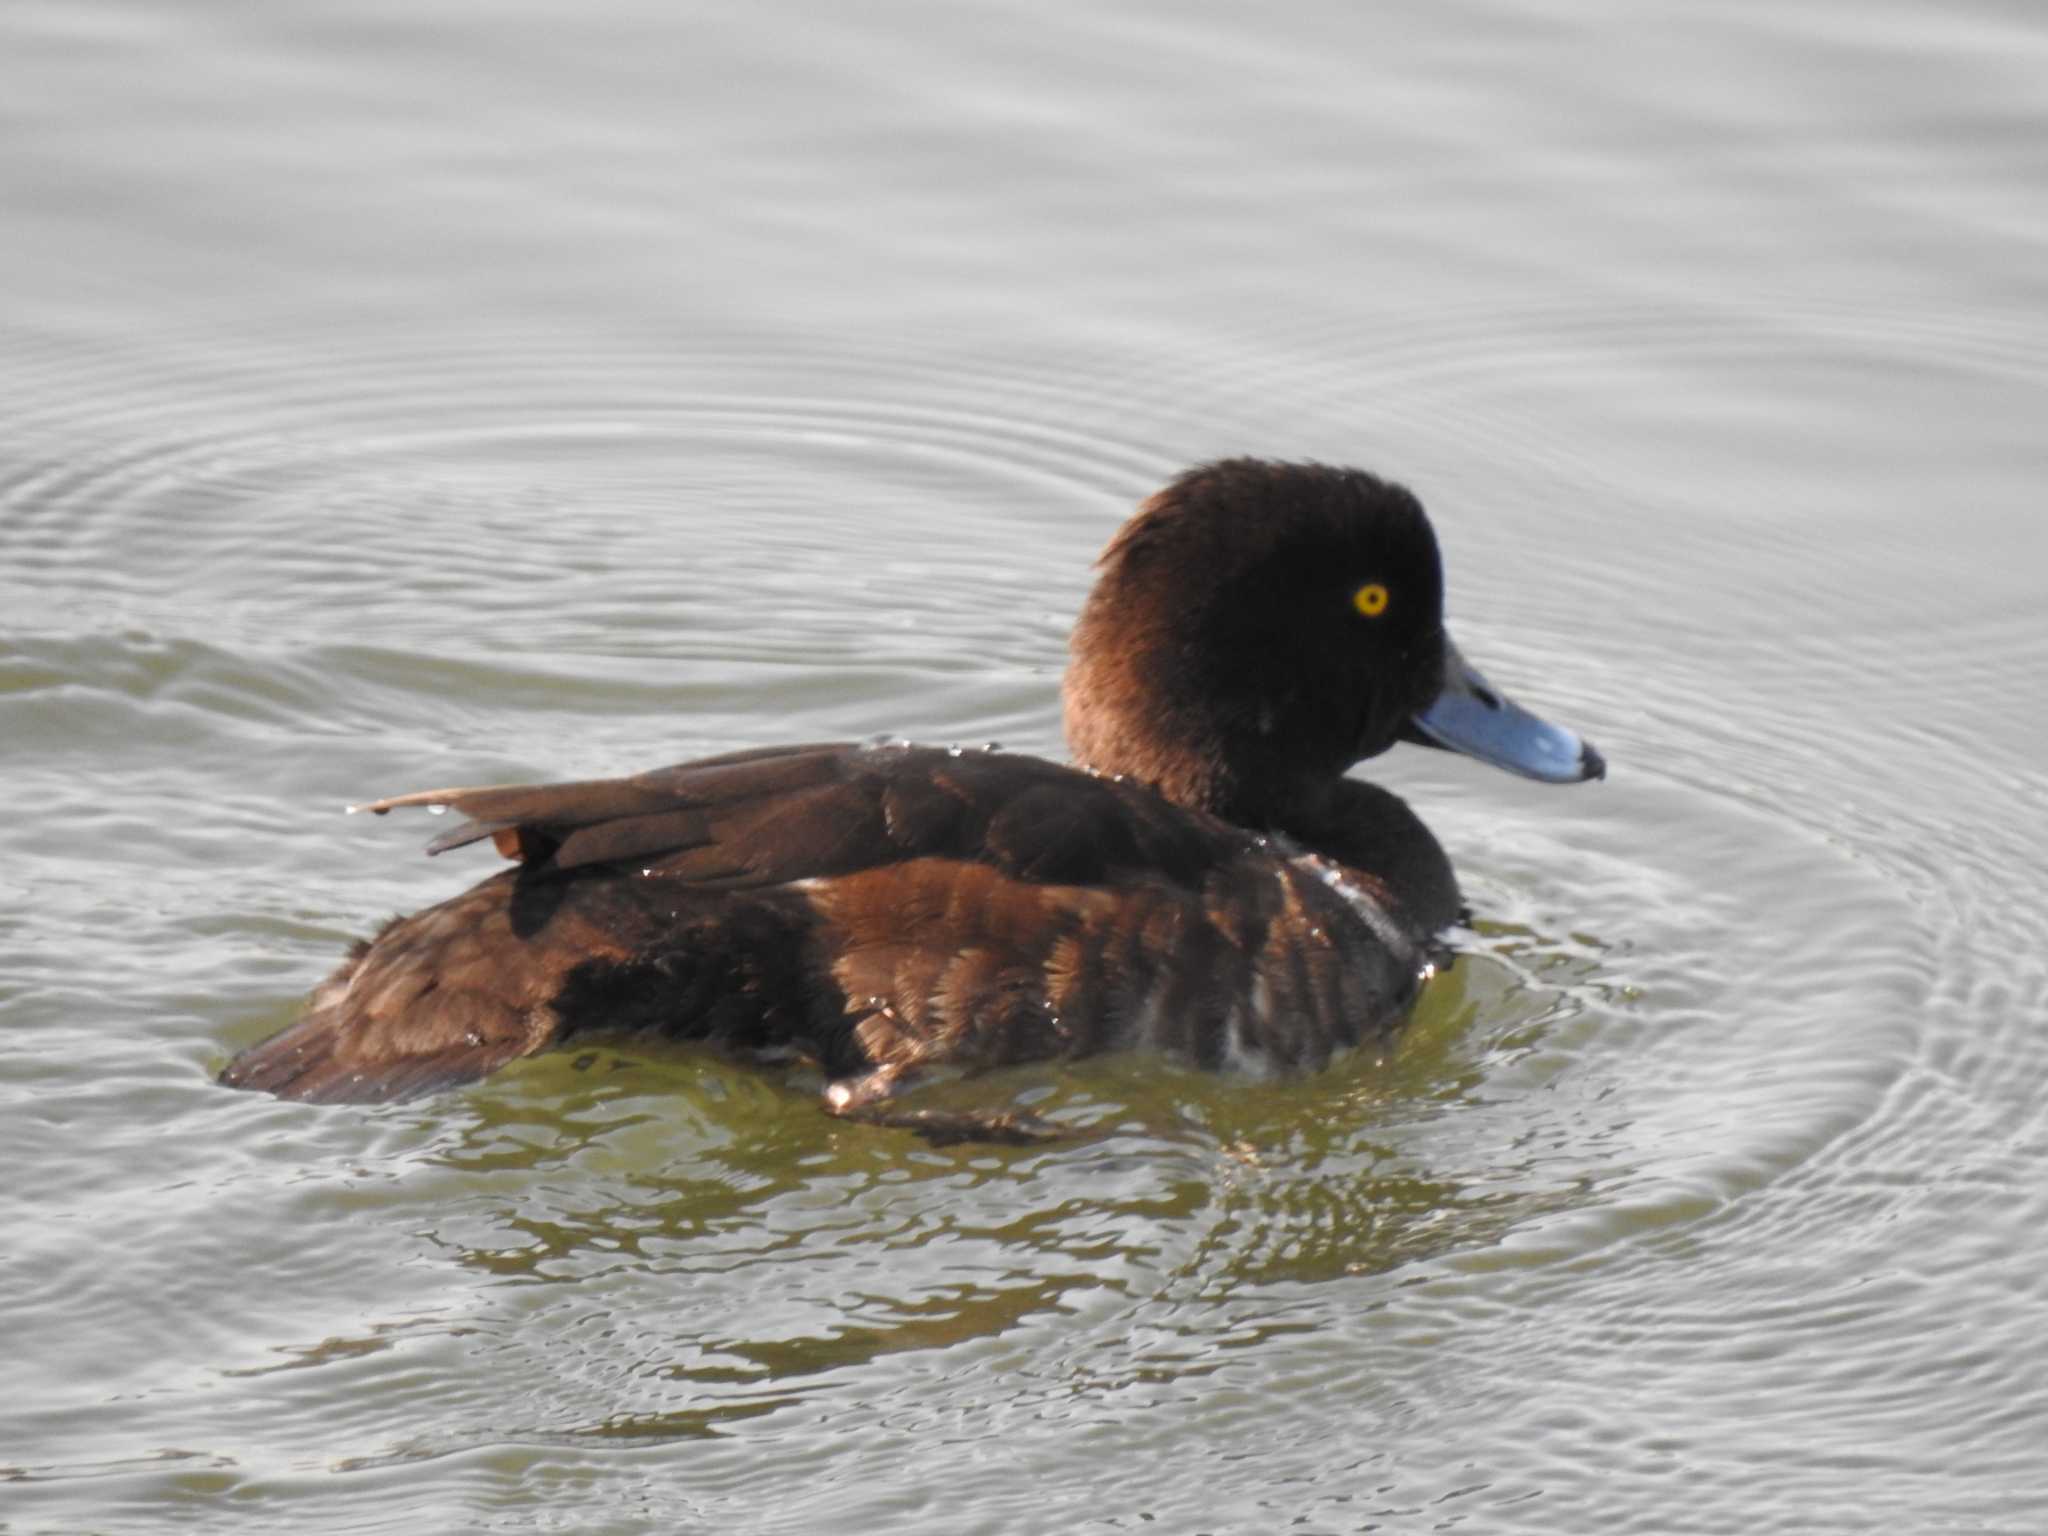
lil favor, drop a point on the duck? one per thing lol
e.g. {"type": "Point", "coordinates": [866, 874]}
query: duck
{"type": "Point", "coordinates": [1204, 881]}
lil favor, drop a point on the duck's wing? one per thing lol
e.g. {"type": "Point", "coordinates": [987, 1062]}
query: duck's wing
{"type": "Point", "coordinates": [885, 908]}
{"type": "Point", "coordinates": [692, 893]}
{"type": "Point", "coordinates": [776, 815]}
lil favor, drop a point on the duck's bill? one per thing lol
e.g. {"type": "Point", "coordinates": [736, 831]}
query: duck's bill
{"type": "Point", "coordinates": [1471, 716]}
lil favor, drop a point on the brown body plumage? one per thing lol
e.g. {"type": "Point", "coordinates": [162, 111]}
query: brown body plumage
{"type": "Point", "coordinates": [1209, 886]}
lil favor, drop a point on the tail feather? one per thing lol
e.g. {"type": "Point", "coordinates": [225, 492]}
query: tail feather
{"type": "Point", "coordinates": [311, 1060]}
{"type": "Point", "coordinates": [440, 998]}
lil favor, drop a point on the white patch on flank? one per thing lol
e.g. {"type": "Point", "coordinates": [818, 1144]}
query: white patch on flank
{"type": "Point", "coordinates": [1144, 1029]}
{"type": "Point", "coordinates": [1375, 916]}
{"type": "Point", "coordinates": [1238, 1054]}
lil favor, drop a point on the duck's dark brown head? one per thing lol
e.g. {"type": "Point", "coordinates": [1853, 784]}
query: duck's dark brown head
{"type": "Point", "coordinates": [1256, 628]}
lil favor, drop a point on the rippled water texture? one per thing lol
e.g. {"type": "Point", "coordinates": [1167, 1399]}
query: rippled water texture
{"type": "Point", "coordinates": [398, 395]}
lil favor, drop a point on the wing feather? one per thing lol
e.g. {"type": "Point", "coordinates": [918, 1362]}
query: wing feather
{"type": "Point", "coordinates": [776, 815]}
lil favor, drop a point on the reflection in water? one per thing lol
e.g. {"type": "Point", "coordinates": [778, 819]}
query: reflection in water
{"type": "Point", "coordinates": [680, 1243]}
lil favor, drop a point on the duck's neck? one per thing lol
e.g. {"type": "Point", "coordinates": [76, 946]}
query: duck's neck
{"type": "Point", "coordinates": [1124, 718]}
{"type": "Point", "coordinates": [1373, 831]}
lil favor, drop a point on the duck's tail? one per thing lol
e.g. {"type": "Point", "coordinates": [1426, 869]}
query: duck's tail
{"type": "Point", "coordinates": [440, 998]}
{"type": "Point", "coordinates": [313, 1060]}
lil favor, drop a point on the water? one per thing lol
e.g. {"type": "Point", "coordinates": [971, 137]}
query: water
{"type": "Point", "coordinates": [412, 394]}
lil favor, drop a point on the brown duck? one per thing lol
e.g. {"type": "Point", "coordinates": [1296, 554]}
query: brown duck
{"type": "Point", "coordinates": [1204, 883]}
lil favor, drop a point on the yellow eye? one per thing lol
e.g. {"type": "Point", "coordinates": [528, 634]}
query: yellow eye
{"type": "Point", "coordinates": [1370, 599]}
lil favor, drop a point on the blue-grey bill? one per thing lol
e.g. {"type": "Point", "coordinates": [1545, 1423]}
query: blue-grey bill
{"type": "Point", "coordinates": [1471, 716]}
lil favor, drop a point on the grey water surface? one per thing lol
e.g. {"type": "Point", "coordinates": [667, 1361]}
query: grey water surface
{"type": "Point", "coordinates": [403, 394]}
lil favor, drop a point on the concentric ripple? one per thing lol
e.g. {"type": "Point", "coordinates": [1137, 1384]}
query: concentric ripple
{"type": "Point", "coordinates": [1700, 1007]}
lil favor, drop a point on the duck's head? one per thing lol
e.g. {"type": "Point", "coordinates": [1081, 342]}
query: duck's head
{"type": "Point", "coordinates": [1256, 628]}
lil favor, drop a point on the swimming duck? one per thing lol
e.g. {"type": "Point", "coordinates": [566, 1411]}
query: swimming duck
{"type": "Point", "coordinates": [1204, 881]}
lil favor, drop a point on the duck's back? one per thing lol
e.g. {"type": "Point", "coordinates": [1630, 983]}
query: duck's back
{"type": "Point", "coordinates": [882, 908]}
